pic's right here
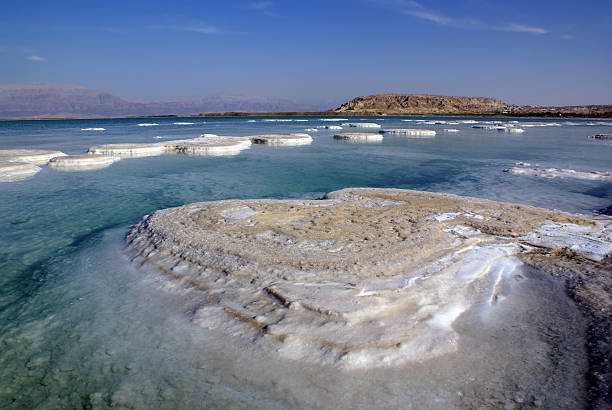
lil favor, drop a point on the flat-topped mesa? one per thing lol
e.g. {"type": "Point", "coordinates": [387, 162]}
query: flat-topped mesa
{"type": "Point", "coordinates": [32, 156]}
{"type": "Point", "coordinates": [359, 137]}
{"type": "Point", "coordinates": [363, 278]}
{"type": "Point", "coordinates": [411, 132]}
{"type": "Point", "coordinates": [129, 150]}
{"type": "Point", "coordinates": [85, 162]}
{"type": "Point", "coordinates": [282, 139]}
{"type": "Point", "coordinates": [361, 124]}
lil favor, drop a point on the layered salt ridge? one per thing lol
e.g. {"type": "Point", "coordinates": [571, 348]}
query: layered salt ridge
{"type": "Point", "coordinates": [282, 139]}
{"type": "Point", "coordinates": [411, 132]}
{"type": "Point", "coordinates": [364, 278]}
{"type": "Point", "coordinates": [86, 162]}
{"type": "Point", "coordinates": [561, 173]}
{"type": "Point", "coordinates": [359, 137]}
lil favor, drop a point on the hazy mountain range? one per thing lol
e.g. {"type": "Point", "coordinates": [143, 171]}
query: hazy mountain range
{"type": "Point", "coordinates": [44, 100]}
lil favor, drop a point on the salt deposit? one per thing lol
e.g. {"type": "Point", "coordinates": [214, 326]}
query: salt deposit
{"type": "Point", "coordinates": [412, 132]}
{"type": "Point", "coordinates": [365, 278]}
{"type": "Point", "coordinates": [93, 129]}
{"type": "Point", "coordinates": [451, 130]}
{"type": "Point", "coordinates": [183, 123]}
{"type": "Point", "coordinates": [129, 149]}
{"type": "Point", "coordinates": [359, 137]}
{"type": "Point", "coordinates": [211, 146]}
{"type": "Point", "coordinates": [282, 139]}
{"type": "Point", "coordinates": [31, 156]}
{"type": "Point", "coordinates": [333, 127]}
{"type": "Point", "coordinates": [87, 162]}
{"type": "Point", "coordinates": [147, 124]}
{"type": "Point", "coordinates": [601, 136]}
{"type": "Point", "coordinates": [16, 171]}
{"type": "Point", "coordinates": [334, 119]}
{"type": "Point", "coordinates": [361, 124]}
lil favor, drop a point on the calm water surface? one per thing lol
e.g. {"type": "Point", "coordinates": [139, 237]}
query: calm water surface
{"type": "Point", "coordinates": [81, 327]}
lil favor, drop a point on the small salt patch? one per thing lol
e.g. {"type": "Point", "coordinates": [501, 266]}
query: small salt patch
{"type": "Point", "coordinates": [240, 213]}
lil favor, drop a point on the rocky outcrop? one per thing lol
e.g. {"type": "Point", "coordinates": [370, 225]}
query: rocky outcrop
{"type": "Point", "coordinates": [421, 104]}
{"type": "Point", "coordinates": [425, 104]}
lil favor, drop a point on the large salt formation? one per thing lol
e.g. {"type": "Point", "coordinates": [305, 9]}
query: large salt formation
{"type": "Point", "coordinates": [382, 277]}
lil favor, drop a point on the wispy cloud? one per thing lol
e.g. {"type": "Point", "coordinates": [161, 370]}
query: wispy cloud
{"type": "Point", "coordinates": [37, 59]}
{"type": "Point", "coordinates": [261, 5]}
{"type": "Point", "coordinates": [521, 28]}
{"type": "Point", "coordinates": [415, 9]}
{"type": "Point", "coordinates": [194, 28]}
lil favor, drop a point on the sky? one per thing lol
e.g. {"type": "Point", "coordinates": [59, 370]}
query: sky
{"type": "Point", "coordinates": [318, 52]}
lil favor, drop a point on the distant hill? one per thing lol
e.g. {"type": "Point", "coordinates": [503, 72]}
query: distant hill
{"type": "Point", "coordinates": [44, 100]}
{"type": "Point", "coordinates": [424, 104]}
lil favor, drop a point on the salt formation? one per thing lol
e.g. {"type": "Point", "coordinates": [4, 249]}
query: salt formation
{"type": "Point", "coordinates": [93, 129]}
{"type": "Point", "coordinates": [31, 156]}
{"type": "Point", "coordinates": [282, 139]}
{"type": "Point", "coordinates": [86, 162]}
{"type": "Point", "coordinates": [183, 123]}
{"type": "Point", "coordinates": [359, 137]}
{"type": "Point", "coordinates": [365, 278]}
{"type": "Point", "coordinates": [211, 145]}
{"type": "Point", "coordinates": [561, 173]}
{"type": "Point", "coordinates": [16, 171]}
{"type": "Point", "coordinates": [333, 127]}
{"type": "Point", "coordinates": [412, 132]}
{"type": "Point", "coordinates": [451, 130]}
{"type": "Point", "coordinates": [128, 149]}
{"type": "Point", "coordinates": [147, 124]}
{"type": "Point", "coordinates": [361, 124]}
{"type": "Point", "coordinates": [19, 164]}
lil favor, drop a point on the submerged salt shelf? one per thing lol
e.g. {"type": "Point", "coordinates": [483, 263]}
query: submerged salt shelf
{"type": "Point", "coordinates": [282, 139]}
{"type": "Point", "coordinates": [561, 173]}
{"type": "Point", "coordinates": [87, 162]}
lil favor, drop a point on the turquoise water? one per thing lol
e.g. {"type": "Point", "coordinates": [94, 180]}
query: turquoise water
{"type": "Point", "coordinates": [68, 294]}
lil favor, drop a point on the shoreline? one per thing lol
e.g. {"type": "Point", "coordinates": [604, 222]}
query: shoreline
{"type": "Point", "coordinates": [322, 113]}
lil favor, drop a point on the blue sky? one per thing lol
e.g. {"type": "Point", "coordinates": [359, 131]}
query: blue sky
{"type": "Point", "coordinates": [524, 52]}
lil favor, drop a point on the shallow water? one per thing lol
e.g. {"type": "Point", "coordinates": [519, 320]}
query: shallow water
{"type": "Point", "coordinates": [80, 326]}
